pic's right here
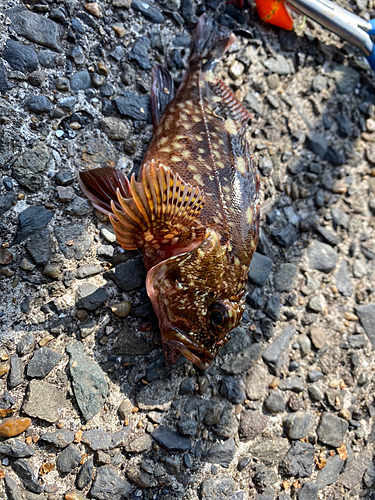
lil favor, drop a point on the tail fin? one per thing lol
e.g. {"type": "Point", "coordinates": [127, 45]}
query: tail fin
{"type": "Point", "coordinates": [210, 41]}
{"type": "Point", "coordinates": [100, 186]}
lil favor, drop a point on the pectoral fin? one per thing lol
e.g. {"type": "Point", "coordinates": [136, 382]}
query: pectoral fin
{"type": "Point", "coordinates": [157, 210]}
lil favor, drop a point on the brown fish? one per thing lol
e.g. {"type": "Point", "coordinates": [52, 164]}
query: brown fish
{"type": "Point", "coordinates": [194, 210]}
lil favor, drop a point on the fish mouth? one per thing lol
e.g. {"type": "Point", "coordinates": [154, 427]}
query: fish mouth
{"type": "Point", "coordinates": [177, 342]}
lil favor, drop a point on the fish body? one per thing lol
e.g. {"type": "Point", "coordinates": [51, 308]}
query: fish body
{"type": "Point", "coordinates": [194, 209]}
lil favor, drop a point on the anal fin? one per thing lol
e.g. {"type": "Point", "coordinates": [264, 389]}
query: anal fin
{"type": "Point", "coordinates": [159, 209]}
{"type": "Point", "coordinates": [162, 91]}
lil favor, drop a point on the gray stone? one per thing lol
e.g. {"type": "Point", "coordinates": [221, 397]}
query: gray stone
{"type": "Point", "coordinates": [314, 376]}
{"type": "Point", "coordinates": [270, 451]}
{"type": "Point", "coordinates": [31, 221]}
{"type": "Point", "coordinates": [274, 355]}
{"type": "Point", "coordinates": [309, 491]}
{"type": "Point", "coordinates": [279, 65]}
{"type": "Point", "coordinates": [84, 476]}
{"type": "Point", "coordinates": [133, 106]}
{"type": "Point", "coordinates": [68, 459]}
{"type": "Point", "coordinates": [128, 342]}
{"type": "Point", "coordinates": [285, 278]}
{"type": "Point", "coordinates": [107, 484]}
{"type": "Point", "coordinates": [21, 57]}
{"type": "Point", "coordinates": [329, 474]}
{"type": "Point", "coordinates": [252, 424]}
{"type": "Point", "coordinates": [88, 381]}
{"type": "Point", "coordinates": [97, 439]}
{"type": "Point", "coordinates": [90, 297]}
{"type": "Point", "coordinates": [79, 207]}
{"type": "Point", "coordinates": [256, 382]}
{"type": "Point", "coordinates": [315, 392]}
{"type": "Point", "coordinates": [332, 429]}
{"type": "Point", "coordinates": [230, 390]}
{"type": "Point", "coordinates": [80, 80]}
{"type": "Point", "coordinates": [29, 167]}
{"type": "Point", "coordinates": [304, 344]}
{"type": "Point", "coordinates": [294, 384]}
{"type": "Point", "coordinates": [357, 341]}
{"type": "Point", "coordinates": [331, 238]}
{"type": "Point", "coordinates": [366, 315]}
{"type": "Point", "coordinates": [60, 438]}
{"type": "Point", "coordinates": [254, 102]}
{"type": "Point", "coordinates": [227, 425]}
{"type": "Point", "coordinates": [25, 472]}
{"type": "Point", "coordinates": [298, 425]}
{"type": "Point", "coordinates": [242, 361]}
{"type": "Point", "coordinates": [39, 246]}
{"type": "Point", "coordinates": [16, 372]}
{"type": "Point", "coordinates": [285, 236]}
{"type": "Point", "coordinates": [260, 269]}
{"type": "Point", "coordinates": [219, 488]}
{"type": "Point", "coordinates": [15, 448]}
{"type": "Point", "coordinates": [170, 439]}
{"type": "Point", "coordinates": [105, 251]}
{"type": "Point", "coordinates": [43, 361]}
{"type": "Point", "coordinates": [139, 444]}
{"type": "Point", "coordinates": [129, 275]}
{"type": "Point", "coordinates": [359, 269]}
{"type": "Point", "coordinates": [275, 403]}
{"type": "Point", "coordinates": [7, 201]}
{"type": "Point", "coordinates": [221, 453]}
{"type": "Point", "coordinates": [299, 460]}
{"type": "Point", "coordinates": [346, 78]}
{"type": "Point", "coordinates": [156, 396]}
{"type": "Point", "coordinates": [149, 12]}
{"type": "Point", "coordinates": [114, 128]}
{"type": "Point", "coordinates": [119, 438]}
{"type": "Point", "coordinates": [11, 488]}
{"type": "Point", "coordinates": [73, 240]}
{"type": "Point", "coordinates": [139, 52]}
{"type": "Point", "coordinates": [319, 83]}
{"type": "Point", "coordinates": [36, 28]}
{"type": "Point", "coordinates": [39, 104]}
{"type": "Point", "coordinates": [88, 270]}
{"type": "Point", "coordinates": [321, 257]}
{"type": "Point", "coordinates": [339, 218]}
{"type": "Point", "coordinates": [317, 144]}
{"type": "Point", "coordinates": [43, 401]}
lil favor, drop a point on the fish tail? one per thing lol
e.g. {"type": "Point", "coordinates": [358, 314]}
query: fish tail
{"type": "Point", "coordinates": [210, 42]}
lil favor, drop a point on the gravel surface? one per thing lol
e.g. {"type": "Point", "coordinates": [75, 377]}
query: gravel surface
{"type": "Point", "coordinates": [88, 408]}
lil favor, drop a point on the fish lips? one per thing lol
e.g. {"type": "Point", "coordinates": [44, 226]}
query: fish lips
{"type": "Point", "coordinates": [177, 342]}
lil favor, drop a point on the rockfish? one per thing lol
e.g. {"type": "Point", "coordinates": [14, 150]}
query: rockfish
{"type": "Point", "coordinates": [194, 210]}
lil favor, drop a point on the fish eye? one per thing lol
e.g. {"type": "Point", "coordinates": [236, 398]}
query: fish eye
{"type": "Point", "coordinates": [218, 316]}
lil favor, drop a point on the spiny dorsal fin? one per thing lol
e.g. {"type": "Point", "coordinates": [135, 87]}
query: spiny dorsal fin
{"type": "Point", "coordinates": [162, 91]}
{"type": "Point", "coordinates": [159, 208]}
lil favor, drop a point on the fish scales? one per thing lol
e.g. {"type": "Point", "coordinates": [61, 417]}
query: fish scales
{"type": "Point", "coordinates": [194, 209]}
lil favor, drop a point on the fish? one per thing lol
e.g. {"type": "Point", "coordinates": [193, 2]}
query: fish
{"type": "Point", "coordinates": [194, 207]}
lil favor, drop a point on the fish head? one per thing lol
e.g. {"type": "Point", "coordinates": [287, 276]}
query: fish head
{"type": "Point", "coordinates": [198, 297]}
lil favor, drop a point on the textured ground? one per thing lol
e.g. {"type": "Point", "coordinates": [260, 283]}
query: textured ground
{"type": "Point", "coordinates": [287, 409]}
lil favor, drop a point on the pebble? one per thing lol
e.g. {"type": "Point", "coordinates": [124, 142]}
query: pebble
{"type": "Point", "coordinates": [256, 382]}
{"type": "Point", "coordinates": [43, 361]}
{"type": "Point", "coordinates": [230, 390]}
{"type": "Point", "coordinates": [105, 251]}
{"type": "Point", "coordinates": [93, 8]}
{"type": "Point", "coordinates": [236, 69]}
{"type": "Point", "coordinates": [81, 80]}
{"type": "Point", "coordinates": [315, 392]}
{"type": "Point", "coordinates": [285, 236]}
{"type": "Point", "coordinates": [299, 460]}
{"type": "Point", "coordinates": [171, 440]}
{"type": "Point", "coordinates": [279, 65]}
{"type": "Point", "coordinates": [68, 459]}
{"type": "Point", "coordinates": [108, 484]}
{"type": "Point", "coordinates": [151, 13]}
{"type": "Point", "coordinates": [319, 83]}
{"type": "Point", "coordinates": [116, 130]}
{"type": "Point", "coordinates": [129, 275]}
{"type": "Point", "coordinates": [221, 453]}
{"type": "Point", "coordinates": [133, 106]}
{"type": "Point", "coordinates": [88, 381]}
{"type": "Point", "coordinates": [97, 439]}
{"type": "Point", "coordinates": [366, 316]}
{"type": "Point", "coordinates": [346, 79]}
{"type": "Point", "coordinates": [270, 451]}
{"type": "Point", "coordinates": [141, 443]}
{"type": "Point", "coordinates": [260, 269]}
{"type": "Point", "coordinates": [317, 143]}
{"type": "Point", "coordinates": [4, 86]}
{"type": "Point", "coordinates": [139, 52]}
{"type": "Point", "coordinates": [12, 490]}
{"type": "Point", "coordinates": [52, 271]}
{"type": "Point", "coordinates": [29, 167]}
{"type": "Point", "coordinates": [332, 429]}
{"type": "Point", "coordinates": [15, 448]}
{"type": "Point", "coordinates": [321, 257]}
{"type": "Point", "coordinates": [298, 425]}
{"type": "Point", "coordinates": [84, 476]}
{"type": "Point", "coordinates": [60, 438]}
{"type": "Point", "coordinates": [90, 297]}
{"type": "Point", "coordinates": [44, 401]}
{"type": "Point", "coordinates": [38, 245]}
{"type": "Point", "coordinates": [16, 372]}
{"type": "Point", "coordinates": [25, 472]}
{"type": "Point", "coordinates": [309, 491]}
{"type": "Point", "coordinates": [220, 488]}
{"type": "Point", "coordinates": [20, 57]}
{"type": "Point", "coordinates": [329, 237]}
{"type": "Point", "coordinates": [14, 426]}
{"type": "Point", "coordinates": [73, 240]}
{"type": "Point", "coordinates": [39, 104]}
{"type": "Point", "coordinates": [285, 278]}
{"type": "Point", "coordinates": [252, 424]}
{"type": "Point", "coordinates": [329, 474]}
{"type": "Point", "coordinates": [274, 403]}
{"type": "Point", "coordinates": [79, 207]}
{"type": "Point", "coordinates": [274, 355]}
{"type": "Point", "coordinates": [36, 28]}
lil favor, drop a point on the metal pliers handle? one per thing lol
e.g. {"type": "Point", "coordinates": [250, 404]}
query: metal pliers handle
{"type": "Point", "coordinates": [345, 24]}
